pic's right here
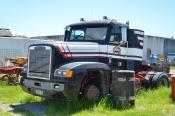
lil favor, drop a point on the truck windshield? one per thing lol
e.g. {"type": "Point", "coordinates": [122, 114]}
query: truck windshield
{"type": "Point", "coordinates": [87, 33]}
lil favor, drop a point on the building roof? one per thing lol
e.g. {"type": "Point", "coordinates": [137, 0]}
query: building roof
{"type": "Point", "coordinates": [152, 36]}
{"type": "Point", "coordinates": [50, 37]}
{"type": "Point", "coordinates": [4, 32]}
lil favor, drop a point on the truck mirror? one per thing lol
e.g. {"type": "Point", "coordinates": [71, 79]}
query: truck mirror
{"type": "Point", "coordinates": [123, 42]}
{"type": "Point", "coordinates": [67, 28]}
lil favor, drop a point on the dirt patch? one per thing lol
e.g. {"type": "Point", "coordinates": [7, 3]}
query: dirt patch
{"type": "Point", "coordinates": [5, 107]}
{"type": "Point", "coordinates": [37, 108]}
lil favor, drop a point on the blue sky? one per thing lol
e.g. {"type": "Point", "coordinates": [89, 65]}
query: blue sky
{"type": "Point", "coordinates": [49, 17]}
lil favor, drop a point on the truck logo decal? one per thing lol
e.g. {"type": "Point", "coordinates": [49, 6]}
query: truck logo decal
{"type": "Point", "coordinates": [116, 50]}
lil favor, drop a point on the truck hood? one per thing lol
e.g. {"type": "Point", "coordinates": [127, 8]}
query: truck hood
{"type": "Point", "coordinates": [78, 49]}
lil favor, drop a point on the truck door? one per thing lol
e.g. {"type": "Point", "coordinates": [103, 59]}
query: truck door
{"type": "Point", "coordinates": [117, 47]}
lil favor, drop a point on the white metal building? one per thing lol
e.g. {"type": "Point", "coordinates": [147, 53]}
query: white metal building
{"type": "Point", "coordinates": [15, 46]}
{"type": "Point", "coordinates": [155, 44]}
{"type": "Point", "coordinates": [159, 46]}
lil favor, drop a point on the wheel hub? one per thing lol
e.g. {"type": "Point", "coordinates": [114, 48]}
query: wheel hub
{"type": "Point", "coordinates": [92, 93]}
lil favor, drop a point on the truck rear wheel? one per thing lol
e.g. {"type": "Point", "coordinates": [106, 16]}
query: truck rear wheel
{"type": "Point", "coordinates": [162, 82]}
{"type": "Point", "coordinates": [160, 79]}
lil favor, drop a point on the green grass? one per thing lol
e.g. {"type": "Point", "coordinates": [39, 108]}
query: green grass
{"type": "Point", "coordinates": [2, 113]}
{"type": "Point", "coordinates": [14, 94]}
{"type": "Point", "coordinates": [148, 103]}
{"type": "Point", "coordinates": [172, 68]}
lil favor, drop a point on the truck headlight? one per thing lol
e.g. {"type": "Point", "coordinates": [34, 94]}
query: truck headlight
{"type": "Point", "coordinates": [63, 73]}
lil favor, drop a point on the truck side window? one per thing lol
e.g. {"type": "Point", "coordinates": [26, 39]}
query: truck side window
{"type": "Point", "coordinates": [77, 35]}
{"type": "Point", "coordinates": [116, 34]}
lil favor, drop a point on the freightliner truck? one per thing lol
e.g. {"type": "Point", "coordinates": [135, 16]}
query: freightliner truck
{"type": "Point", "coordinates": [81, 66]}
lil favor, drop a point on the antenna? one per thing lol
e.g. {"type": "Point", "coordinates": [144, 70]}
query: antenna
{"type": "Point", "coordinates": [105, 17]}
{"type": "Point", "coordinates": [82, 19]}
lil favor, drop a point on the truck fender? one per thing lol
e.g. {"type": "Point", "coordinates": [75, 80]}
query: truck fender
{"type": "Point", "coordinates": [158, 78]}
{"type": "Point", "coordinates": [84, 65]}
{"type": "Point", "coordinates": [81, 70]}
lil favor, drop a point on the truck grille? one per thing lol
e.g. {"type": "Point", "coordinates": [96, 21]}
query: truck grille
{"type": "Point", "coordinates": [39, 64]}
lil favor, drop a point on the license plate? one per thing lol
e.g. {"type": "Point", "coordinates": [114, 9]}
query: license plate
{"type": "Point", "coordinates": [39, 92]}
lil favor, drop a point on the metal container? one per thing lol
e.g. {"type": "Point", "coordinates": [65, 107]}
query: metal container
{"type": "Point", "coordinates": [173, 88]}
{"type": "Point", "coordinates": [123, 88]}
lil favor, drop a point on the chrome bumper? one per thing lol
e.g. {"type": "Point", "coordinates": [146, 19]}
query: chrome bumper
{"type": "Point", "coordinates": [44, 89]}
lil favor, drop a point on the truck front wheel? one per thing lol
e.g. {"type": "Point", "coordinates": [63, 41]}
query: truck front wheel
{"type": "Point", "coordinates": [93, 86]}
{"type": "Point", "coordinates": [91, 92]}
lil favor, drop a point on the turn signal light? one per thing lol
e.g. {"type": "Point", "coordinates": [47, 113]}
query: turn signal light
{"type": "Point", "coordinates": [69, 73]}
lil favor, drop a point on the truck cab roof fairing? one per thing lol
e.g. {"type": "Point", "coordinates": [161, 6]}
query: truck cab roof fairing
{"type": "Point", "coordinates": [97, 22]}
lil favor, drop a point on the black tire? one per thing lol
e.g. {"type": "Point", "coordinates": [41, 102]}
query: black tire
{"type": "Point", "coordinates": [160, 79]}
{"type": "Point", "coordinates": [91, 92]}
{"type": "Point", "coordinates": [97, 84]}
{"type": "Point", "coordinates": [163, 81]}
{"type": "Point", "coordinates": [5, 77]}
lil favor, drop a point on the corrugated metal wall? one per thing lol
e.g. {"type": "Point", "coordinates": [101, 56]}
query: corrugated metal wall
{"type": "Point", "coordinates": [15, 47]}
{"type": "Point", "coordinates": [51, 37]}
{"type": "Point", "coordinates": [156, 44]}
{"type": "Point", "coordinates": [169, 46]}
